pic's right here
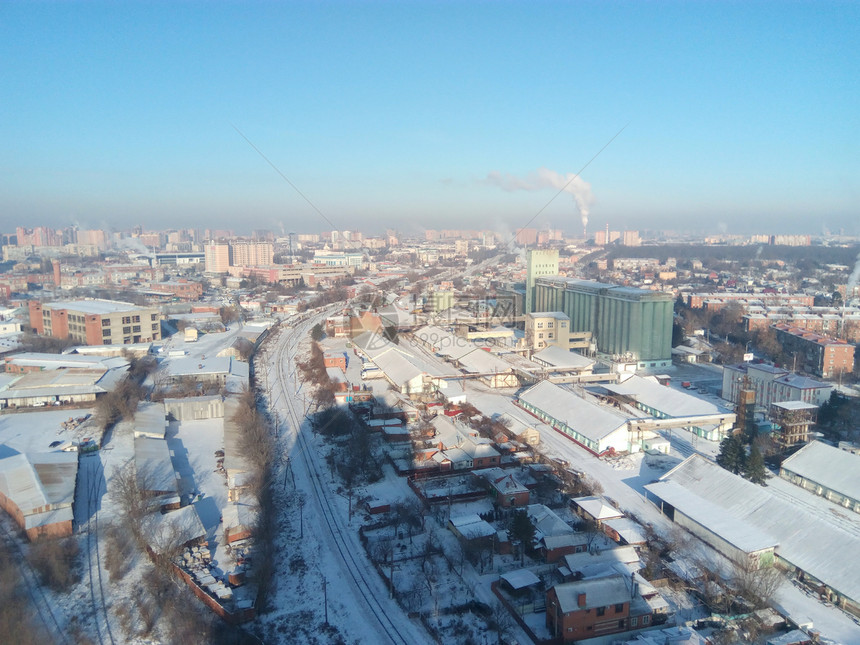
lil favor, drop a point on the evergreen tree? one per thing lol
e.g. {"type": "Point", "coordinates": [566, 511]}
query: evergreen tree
{"type": "Point", "coordinates": [317, 332]}
{"type": "Point", "coordinates": [732, 455]}
{"type": "Point", "coordinates": [754, 469]}
{"type": "Point", "coordinates": [522, 529]}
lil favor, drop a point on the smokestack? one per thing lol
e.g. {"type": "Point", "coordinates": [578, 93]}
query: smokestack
{"type": "Point", "coordinates": [56, 273]}
{"type": "Point", "coordinates": [580, 600]}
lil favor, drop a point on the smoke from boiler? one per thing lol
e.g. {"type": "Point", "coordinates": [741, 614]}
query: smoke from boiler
{"type": "Point", "coordinates": [854, 278]}
{"type": "Point", "coordinates": [543, 178]}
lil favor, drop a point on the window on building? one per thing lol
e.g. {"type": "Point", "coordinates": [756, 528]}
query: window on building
{"type": "Point", "coordinates": [126, 330]}
{"type": "Point", "coordinates": [634, 622]}
{"type": "Point", "coordinates": [619, 607]}
{"type": "Point", "coordinates": [135, 319]}
{"type": "Point", "coordinates": [155, 327]}
{"type": "Point", "coordinates": [549, 325]}
{"type": "Point", "coordinates": [646, 620]}
{"type": "Point", "coordinates": [601, 611]}
{"type": "Point", "coordinates": [105, 332]}
{"type": "Point", "coordinates": [105, 322]}
{"type": "Point", "coordinates": [152, 317]}
{"type": "Point", "coordinates": [126, 320]}
{"type": "Point", "coordinates": [136, 328]}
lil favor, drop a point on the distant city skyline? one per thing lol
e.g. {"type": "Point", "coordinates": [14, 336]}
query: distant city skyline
{"type": "Point", "coordinates": [739, 118]}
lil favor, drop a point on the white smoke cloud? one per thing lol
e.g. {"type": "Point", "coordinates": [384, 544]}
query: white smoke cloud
{"type": "Point", "coordinates": [543, 178]}
{"type": "Point", "coordinates": [854, 278]}
{"type": "Point", "coordinates": [133, 244]}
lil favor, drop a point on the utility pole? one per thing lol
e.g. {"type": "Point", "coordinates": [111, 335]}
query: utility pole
{"type": "Point", "coordinates": [325, 600]}
{"type": "Point", "coordinates": [301, 517]}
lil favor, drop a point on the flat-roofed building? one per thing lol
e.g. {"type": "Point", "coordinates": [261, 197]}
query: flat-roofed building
{"type": "Point", "coordinates": [547, 328]}
{"type": "Point", "coordinates": [772, 384]}
{"type": "Point", "coordinates": [216, 257]}
{"type": "Point", "coordinates": [96, 322]}
{"type": "Point", "coordinates": [819, 355]}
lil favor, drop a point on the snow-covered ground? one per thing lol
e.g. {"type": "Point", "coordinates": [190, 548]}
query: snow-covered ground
{"type": "Point", "coordinates": [325, 572]}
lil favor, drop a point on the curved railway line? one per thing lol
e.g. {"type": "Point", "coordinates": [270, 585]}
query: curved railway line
{"type": "Point", "coordinates": [355, 569]}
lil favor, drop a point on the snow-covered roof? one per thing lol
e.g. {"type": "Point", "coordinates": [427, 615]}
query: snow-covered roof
{"type": "Point", "coordinates": [745, 537]}
{"type": "Point", "coordinates": [628, 529]}
{"type": "Point", "coordinates": [805, 538]}
{"type": "Point", "coordinates": [150, 420]}
{"type": "Point", "coordinates": [237, 515]}
{"type": "Point", "coordinates": [59, 361]}
{"type": "Point", "coordinates": [597, 507]}
{"type": "Point", "coordinates": [588, 419]}
{"type": "Point", "coordinates": [176, 528]}
{"type": "Point", "coordinates": [153, 465]}
{"type": "Point", "coordinates": [561, 358]}
{"type": "Point", "coordinates": [567, 539]}
{"type": "Point", "coordinates": [471, 526]}
{"type": "Point", "coordinates": [795, 405]}
{"type": "Point", "coordinates": [520, 579]}
{"type": "Point", "coordinates": [802, 382]}
{"type": "Point", "coordinates": [547, 522]}
{"type": "Point", "coordinates": [39, 480]}
{"type": "Point", "coordinates": [667, 400]}
{"type": "Point", "coordinates": [622, 554]}
{"type": "Point", "coordinates": [70, 381]}
{"type": "Point", "coordinates": [98, 307]}
{"type": "Point", "coordinates": [600, 592]}
{"type": "Point", "coordinates": [838, 470]}
{"type": "Point", "coordinates": [479, 361]}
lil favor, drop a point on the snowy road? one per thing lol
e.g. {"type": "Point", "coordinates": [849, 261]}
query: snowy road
{"type": "Point", "coordinates": [359, 602]}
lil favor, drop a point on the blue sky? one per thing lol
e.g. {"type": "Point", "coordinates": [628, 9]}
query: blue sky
{"type": "Point", "coordinates": [740, 117]}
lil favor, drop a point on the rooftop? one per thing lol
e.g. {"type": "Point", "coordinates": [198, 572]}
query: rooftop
{"type": "Point", "coordinates": [587, 418]}
{"type": "Point", "coordinates": [836, 469]}
{"type": "Point", "coordinates": [96, 307]}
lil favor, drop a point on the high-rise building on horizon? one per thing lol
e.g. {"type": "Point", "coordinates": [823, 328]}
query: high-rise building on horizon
{"type": "Point", "coordinates": [538, 263]}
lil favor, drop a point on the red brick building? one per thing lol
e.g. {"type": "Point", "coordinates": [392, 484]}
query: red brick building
{"type": "Point", "coordinates": [819, 355]}
{"type": "Point", "coordinates": [182, 289]}
{"type": "Point", "coordinates": [595, 607]}
{"type": "Point", "coordinates": [96, 322]}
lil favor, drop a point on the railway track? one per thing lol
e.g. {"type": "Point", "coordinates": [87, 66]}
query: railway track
{"type": "Point", "coordinates": [96, 479]}
{"type": "Point", "coordinates": [354, 567]}
{"type": "Point", "coordinates": [41, 603]}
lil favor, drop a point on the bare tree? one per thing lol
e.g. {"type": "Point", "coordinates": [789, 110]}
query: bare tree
{"type": "Point", "coordinates": [757, 584]}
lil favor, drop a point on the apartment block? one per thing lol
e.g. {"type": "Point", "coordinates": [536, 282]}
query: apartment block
{"type": "Point", "coordinates": [819, 355]}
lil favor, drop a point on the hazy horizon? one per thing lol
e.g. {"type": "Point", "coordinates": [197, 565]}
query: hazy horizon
{"type": "Point", "coordinates": [739, 118]}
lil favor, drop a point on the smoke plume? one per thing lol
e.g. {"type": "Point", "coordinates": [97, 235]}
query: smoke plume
{"type": "Point", "coordinates": [543, 178]}
{"type": "Point", "coordinates": [854, 278]}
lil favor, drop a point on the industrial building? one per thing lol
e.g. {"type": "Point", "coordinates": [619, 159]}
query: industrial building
{"type": "Point", "coordinates": [626, 324]}
{"type": "Point", "coordinates": [600, 430]}
{"type": "Point", "coordinates": [829, 472]}
{"type": "Point", "coordinates": [96, 322]}
{"type": "Point", "coordinates": [779, 523]}
{"type": "Point", "coordinates": [772, 384]}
